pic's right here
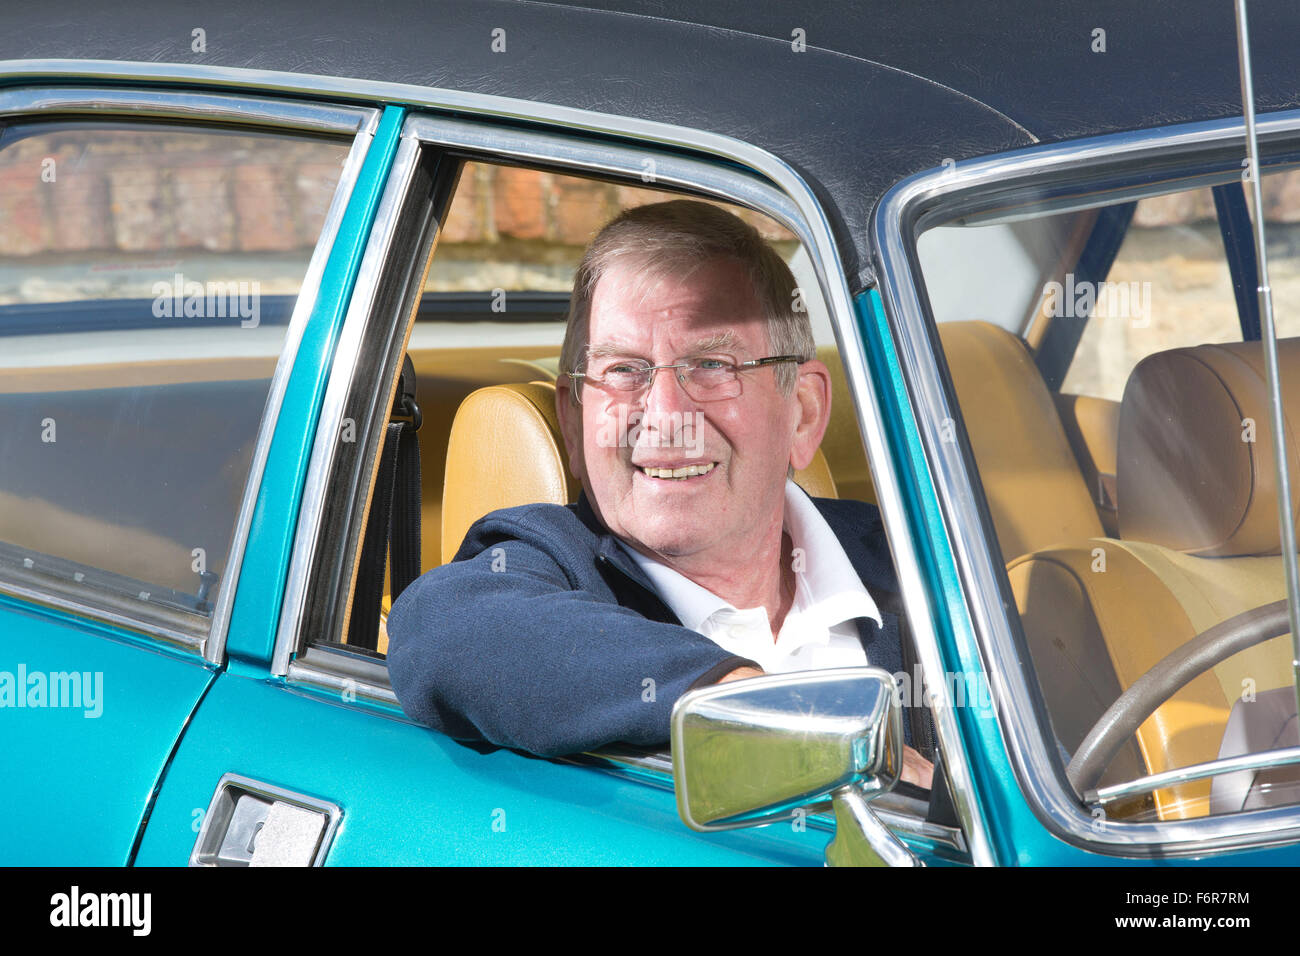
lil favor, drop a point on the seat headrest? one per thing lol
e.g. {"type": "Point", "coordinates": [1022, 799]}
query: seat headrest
{"type": "Point", "coordinates": [505, 449]}
{"type": "Point", "coordinates": [1195, 470]}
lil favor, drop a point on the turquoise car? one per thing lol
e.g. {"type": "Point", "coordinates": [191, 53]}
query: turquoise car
{"type": "Point", "coordinates": [274, 287]}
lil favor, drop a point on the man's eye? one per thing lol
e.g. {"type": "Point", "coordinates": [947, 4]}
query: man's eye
{"type": "Point", "coordinates": [711, 364]}
{"type": "Point", "coordinates": [623, 369]}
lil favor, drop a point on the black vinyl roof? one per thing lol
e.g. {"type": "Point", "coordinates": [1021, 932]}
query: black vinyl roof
{"type": "Point", "coordinates": [883, 89]}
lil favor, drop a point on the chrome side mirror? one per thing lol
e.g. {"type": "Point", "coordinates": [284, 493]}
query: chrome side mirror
{"type": "Point", "coordinates": [751, 752]}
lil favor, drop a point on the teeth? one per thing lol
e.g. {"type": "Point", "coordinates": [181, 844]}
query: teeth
{"type": "Point", "coordinates": [690, 471]}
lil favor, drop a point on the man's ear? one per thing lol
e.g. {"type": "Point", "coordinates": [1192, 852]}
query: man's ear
{"type": "Point", "coordinates": [813, 399]}
{"type": "Point", "coordinates": [569, 413]}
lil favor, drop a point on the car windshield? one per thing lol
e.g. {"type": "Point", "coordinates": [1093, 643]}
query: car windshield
{"type": "Point", "coordinates": [1109, 373]}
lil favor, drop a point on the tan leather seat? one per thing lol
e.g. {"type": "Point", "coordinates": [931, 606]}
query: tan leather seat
{"type": "Point", "coordinates": [842, 446]}
{"type": "Point", "coordinates": [1036, 494]}
{"type": "Point", "coordinates": [506, 449]}
{"type": "Point", "coordinates": [1197, 508]}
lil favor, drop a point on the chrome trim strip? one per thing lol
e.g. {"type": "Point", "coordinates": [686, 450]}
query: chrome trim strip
{"type": "Point", "coordinates": [925, 197]}
{"type": "Point", "coordinates": [43, 597]}
{"type": "Point", "coordinates": [346, 353]}
{"type": "Point", "coordinates": [208, 107]}
{"type": "Point", "coordinates": [256, 111]}
{"type": "Point", "coordinates": [1197, 771]}
{"type": "Point", "coordinates": [351, 677]}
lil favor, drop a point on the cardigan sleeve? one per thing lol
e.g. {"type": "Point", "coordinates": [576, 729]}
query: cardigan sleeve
{"type": "Point", "coordinates": [516, 644]}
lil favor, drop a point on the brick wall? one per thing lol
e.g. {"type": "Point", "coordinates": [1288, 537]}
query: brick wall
{"type": "Point", "coordinates": [141, 191]}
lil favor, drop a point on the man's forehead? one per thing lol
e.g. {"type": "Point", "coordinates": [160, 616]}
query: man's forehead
{"type": "Point", "coordinates": [711, 306]}
{"type": "Point", "coordinates": [709, 342]}
{"type": "Point", "coordinates": [718, 283]}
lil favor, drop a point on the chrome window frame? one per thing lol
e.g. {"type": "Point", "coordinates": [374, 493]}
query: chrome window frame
{"type": "Point", "coordinates": [932, 197]}
{"type": "Point", "coordinates": [207, 110]}
{"type": "Point", "coordinates": [588, 142]}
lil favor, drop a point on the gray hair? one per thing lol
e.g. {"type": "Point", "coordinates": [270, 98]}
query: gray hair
{"type": "Point", "coordinates": [679, 236]}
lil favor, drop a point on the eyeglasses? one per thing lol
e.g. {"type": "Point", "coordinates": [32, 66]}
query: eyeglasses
{"type": "Point", "coordinates": [704, 380]}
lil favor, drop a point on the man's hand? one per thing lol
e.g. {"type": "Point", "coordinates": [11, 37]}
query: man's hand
{"type": "Point", "coordinates": [916, 769]}
{"type": "Point", "coordinates": [742, 673]}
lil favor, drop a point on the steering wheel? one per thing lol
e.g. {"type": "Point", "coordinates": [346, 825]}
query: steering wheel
{"type": "Point", "coordinates": [1122, 719]}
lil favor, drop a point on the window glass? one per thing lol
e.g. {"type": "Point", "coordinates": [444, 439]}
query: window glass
{"type": "Point", "coordinates": [1132, 495]}
{"type": "Point", "coordinates": [147, 277]}
{"type": "Point", "coordinates": [995, 272]}
{"type": "Point", "coordinates": [1168, 286]}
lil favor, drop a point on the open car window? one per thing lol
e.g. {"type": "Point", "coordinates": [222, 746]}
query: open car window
{"type": "Point", "coordinates": [1122, 441]}
{"type": "Point", "coordinates": [485, 311]}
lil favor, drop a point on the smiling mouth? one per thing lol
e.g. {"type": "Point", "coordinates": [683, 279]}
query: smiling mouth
{"type": "Point", "coordinates": [679, 474]}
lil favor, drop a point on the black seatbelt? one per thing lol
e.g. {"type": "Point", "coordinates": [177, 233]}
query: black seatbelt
{"type": "Point", "coordinates": [393, 525]}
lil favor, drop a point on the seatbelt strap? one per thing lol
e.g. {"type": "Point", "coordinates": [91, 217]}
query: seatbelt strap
{"type": "Point", "coordinates": [393, 525]}
{"type": "Point", "coordinates": [404, 531]}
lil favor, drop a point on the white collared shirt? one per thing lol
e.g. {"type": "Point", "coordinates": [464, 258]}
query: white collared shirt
{"type": "Point", "coordinates": [819, 630]}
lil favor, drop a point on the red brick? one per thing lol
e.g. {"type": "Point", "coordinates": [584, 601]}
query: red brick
{"type": "Point", "coordinates": [201, 207]}
{"type": "Point", "coordinates": [519, 203]}
{"type": "Point", "coordinates": [139, 212]}
{"type": "Point", "coordinates": [21, 209]}
{"type": "Point", "coordinates": [1282, 197]}
{"type": "Point", "coordinates": [468, 220]}
{"type": "Point", "coordinates": [581, 207]}
{"type": "Point", "coordinates": [82, 218]}
{"type": "Point", "coordinates": [315, 182]}
{"type": "Point", "coordinates": [1176, 209]}
{"type": "Point", "coordinates": [263, 217]}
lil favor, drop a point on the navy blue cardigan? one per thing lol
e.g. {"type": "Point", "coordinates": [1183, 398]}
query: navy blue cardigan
{"type": "Point", "coordinates": [543, 635]}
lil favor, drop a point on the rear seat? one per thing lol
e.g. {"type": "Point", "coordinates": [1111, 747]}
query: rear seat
{"type": "Point", "coordinates": [1199, 544]}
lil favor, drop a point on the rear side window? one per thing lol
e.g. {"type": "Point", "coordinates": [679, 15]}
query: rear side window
{"type": "Point", "coordinates": [147, 277]}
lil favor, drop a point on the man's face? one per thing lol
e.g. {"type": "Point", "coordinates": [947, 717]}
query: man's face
{"type": "Point", "coordinates": [743, 445]}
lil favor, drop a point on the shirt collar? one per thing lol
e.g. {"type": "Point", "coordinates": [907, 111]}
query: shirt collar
{"type": "Point", "coordinates": [829, 586]}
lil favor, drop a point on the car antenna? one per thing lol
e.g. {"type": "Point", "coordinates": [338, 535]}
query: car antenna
{"type": "Point", "coordinates": [1269, 337]}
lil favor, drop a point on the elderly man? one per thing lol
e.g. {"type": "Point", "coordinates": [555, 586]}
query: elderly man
{"type": "Point", "coordinates": [689, 394]}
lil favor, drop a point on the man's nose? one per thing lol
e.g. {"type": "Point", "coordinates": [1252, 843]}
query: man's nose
{"type": "Point", "coordinates": [666, 393]}
{"type": "Point", "coordinates": [666, 407]}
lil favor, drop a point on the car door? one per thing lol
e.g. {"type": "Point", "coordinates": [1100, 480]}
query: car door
{"type": "Point", "coordinates": [299, 752]}
{"type": "Point", "coordinates": [156, 269]}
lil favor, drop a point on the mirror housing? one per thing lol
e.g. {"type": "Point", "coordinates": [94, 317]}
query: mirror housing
{"type": "Point", "coordinates": [751, 752]}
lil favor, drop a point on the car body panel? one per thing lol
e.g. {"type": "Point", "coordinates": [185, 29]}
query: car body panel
{"type": "Point", "coordinates": [77, 787]}
{"type": "Point", "coordinates": [412, 796]}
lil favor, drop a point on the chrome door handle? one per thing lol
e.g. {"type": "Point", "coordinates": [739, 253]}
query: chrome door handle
{"type": "Point", "coordinates": [251, 823]}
